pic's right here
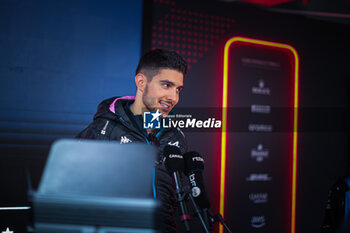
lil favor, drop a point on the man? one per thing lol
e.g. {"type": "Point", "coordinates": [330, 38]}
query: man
{"type": "Point", "coordinates": [159, 80]}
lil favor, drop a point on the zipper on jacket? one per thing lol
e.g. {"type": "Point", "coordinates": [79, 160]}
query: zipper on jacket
{"type": "Point", "coordinates": [103, 131]}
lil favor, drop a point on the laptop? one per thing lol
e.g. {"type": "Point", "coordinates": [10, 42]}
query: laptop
{"type": "Point", "coordinates": [97, 186]}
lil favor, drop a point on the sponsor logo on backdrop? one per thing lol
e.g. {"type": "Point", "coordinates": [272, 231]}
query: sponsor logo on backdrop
{"type": "Point", "coordinates": [259, 128]}
{"type": "Point", "coordinates": [258, 198]}
{"type": "Point", "coordinates": [259, 153]}
{"type": "Point", "coordinates": [261, 89]}
{"type": "Point", "coordinates": [260, 62]}
{"type": "Point", "coordinates": [258, 108]}
{"type": "Point", "coordinates": [259, 177]}
{"type": "Point", "coordinates": [257, 221]}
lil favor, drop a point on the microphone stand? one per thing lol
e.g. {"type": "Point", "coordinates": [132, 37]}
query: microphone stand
{"type": "Point", "coordinates": [207, 213]}
{"type": "Point", "coordinates": [196, 209]}
{"type": "Point", "coordinates": [218, 218]}
{"type": "Point", "coordinates": [207, 217]}
{"type": "Point", "coordinates": [185, 217]}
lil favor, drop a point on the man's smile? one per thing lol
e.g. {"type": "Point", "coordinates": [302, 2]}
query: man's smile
{"type": "Point", "coordinates": [166, 105]}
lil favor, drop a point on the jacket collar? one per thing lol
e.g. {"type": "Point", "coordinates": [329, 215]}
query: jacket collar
{"type": "Point", "coordinates": [112, 107]}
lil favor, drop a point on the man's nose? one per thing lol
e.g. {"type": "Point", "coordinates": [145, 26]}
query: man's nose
{"type": "Point", "coordinates": [173, 96]}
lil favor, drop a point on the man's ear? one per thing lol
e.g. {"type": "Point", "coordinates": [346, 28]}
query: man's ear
{"type": "Point", "coordinates": [140, 81]}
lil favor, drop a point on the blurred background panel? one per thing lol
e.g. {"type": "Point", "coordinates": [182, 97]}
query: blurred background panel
{"type": "Point", "coordinates": [58, 61]}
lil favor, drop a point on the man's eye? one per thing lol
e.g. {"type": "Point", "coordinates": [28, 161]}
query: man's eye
{"type": "Point", "coordinates": [178, 89]}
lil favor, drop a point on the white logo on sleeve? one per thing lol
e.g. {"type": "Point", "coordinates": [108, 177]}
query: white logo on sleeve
{"type": "Point", "coordinates": [174, 143]}
{"type": "Point", "coordinates": [124, 140]}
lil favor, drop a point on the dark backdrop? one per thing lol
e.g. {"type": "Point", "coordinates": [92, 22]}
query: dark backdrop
{"type": "Point", "coordinates": [60, 58]}
{"type": "Point", "coordinates": [198, 31]}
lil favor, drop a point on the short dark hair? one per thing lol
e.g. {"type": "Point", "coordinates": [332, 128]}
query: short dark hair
{"type": "Point", "coordinates": [153, 61]}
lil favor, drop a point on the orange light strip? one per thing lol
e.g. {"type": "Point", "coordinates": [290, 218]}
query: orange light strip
{"type": "Point", "coordinates": [223, 137]}
{"type": "Point", "coordinates": [224, 120]}
{"type": "Point", "coordinates": [295, 138]}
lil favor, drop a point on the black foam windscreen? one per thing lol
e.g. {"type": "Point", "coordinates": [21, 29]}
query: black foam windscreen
{"type": "Point", "coordinates": [193, 162]}
{"type": "Point", "coordinates": [173, 159]}
{"type": "Point", "coordinates": [194, 166]}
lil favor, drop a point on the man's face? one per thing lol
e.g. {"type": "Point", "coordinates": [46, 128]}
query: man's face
{"type": "Point", "coordinates": [162, 92]}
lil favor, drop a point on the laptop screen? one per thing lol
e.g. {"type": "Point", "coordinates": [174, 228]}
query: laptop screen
{"type": "Point", "coordinates": [99, 168]}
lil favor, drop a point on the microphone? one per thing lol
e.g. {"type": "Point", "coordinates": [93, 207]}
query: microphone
{"type": "Point", "coordinates": [174, 163]}
{"type": "Point", "coordinates": [194, 166]}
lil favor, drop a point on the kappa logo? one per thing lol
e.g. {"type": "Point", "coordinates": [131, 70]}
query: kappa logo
{"type": "Point", "coordinates": [124, 140]}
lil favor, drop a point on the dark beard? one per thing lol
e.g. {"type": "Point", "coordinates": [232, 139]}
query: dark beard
{"type": "Point", "coordinates": [149, 102]}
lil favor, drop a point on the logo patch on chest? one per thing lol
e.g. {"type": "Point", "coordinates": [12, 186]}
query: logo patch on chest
{"type": "Point", "coordinates": [124, 140]}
